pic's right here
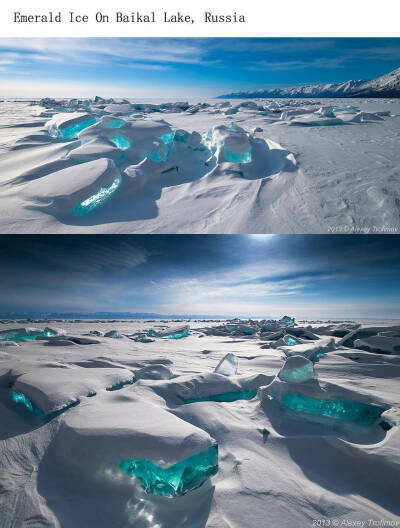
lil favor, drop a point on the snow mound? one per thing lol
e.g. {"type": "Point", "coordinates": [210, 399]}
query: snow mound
{"type": "Point", "coordinates": [81, 187]}
{"type": "Point", "coordinates": [203, 387]}
{"type": "Point", "coordinates": [50, 390]}
{"type": "Point", "coordinates": [327, 404]}
{"type": "Point", "coordinates": [99, 435]}
{"type": "Point", "coordinates": [379, 344]}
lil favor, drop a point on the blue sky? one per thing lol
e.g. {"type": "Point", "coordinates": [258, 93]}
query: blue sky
{"type": "Point", "coordinates": [158, 67]}
{"type": "Point", "coordinates": [233, 275]}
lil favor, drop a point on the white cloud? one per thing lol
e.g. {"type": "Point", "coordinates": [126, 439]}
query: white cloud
{"type": "Point", "coordinates": [100, 51]}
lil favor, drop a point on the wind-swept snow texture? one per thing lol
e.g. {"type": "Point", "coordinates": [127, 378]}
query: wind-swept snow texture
{"type": "Point", "coordinates": [239, 166]}
{"type": "Point", "coordinates": [238, 424]}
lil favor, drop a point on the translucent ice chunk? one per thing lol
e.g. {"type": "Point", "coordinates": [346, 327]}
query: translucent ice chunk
{"type": "Point", "coordinates": [72, 131]}
{"type": "Point", "coordinates": [177, 335]}
{"type": "Point", "coordinates": [172, 335]}
{"type": "Point", "coordinates": [168, 137]}
{"type": "Point", "coordinates": [121, 142]}
{"type": "Point", "coordinates": [297, 369]}
{"type": "Point", "coordinates": [181, 136]}
{"type": "Point", "coordinates": [19, 397]}
{"type": "Point", "coordinates": [238, 157]}
{"type": "Point", "coordinates": [163, 150]}
{"type": "Point", "coordinates": [228, 365]}
{"type": "Point", "coordinates": [291, 341]}
{"type": "Point", "coordinates": [231, 327]}
{"type": "Point", "coordinates": [353, 411]}
{"type": "Point", "coordinates": [245, 394]}
{"type": "Point", "coordinates": [177, 479]}
{"type": "Point", "coordinates": [97, 199]}
{"type": "Point", "coordinates": [113, 334]}
{"type": "Point", "coordinates": [18, 336]}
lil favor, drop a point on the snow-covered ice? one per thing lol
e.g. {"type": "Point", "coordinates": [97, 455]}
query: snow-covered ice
{"type": "Point", "coordinates": [131, 423]}
{"type": "Point", "coordinates": [238, 166]}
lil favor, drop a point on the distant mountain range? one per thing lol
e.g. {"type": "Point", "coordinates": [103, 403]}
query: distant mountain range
{"type": "Point", "coordinates": [385, 86]}
{"type": "Point", "coordinates": [103, 315]}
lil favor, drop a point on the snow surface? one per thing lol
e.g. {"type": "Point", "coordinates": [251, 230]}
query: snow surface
{"type": "Point", "coordinates": [278, 466]}
{"type": "Point", "coordinates": [240, 166]}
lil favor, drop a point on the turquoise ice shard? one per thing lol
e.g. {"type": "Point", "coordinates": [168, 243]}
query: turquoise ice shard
{"type": "Point", "coordinates": [171, 333]}
{"type": "Point", "coordinates": [22, 333]}
{"type": "Point", "coordinates": [245, 394]}
{"type": "Point", "coordinates": [71, 132]}
{"type": "Point", "coordinates": [228, 366]}
{"type": "Point", "coordinates": [113, 334]}
{"type": "Point", "coordinates": [168, 137]}
{"type": "Point", "coordinates": [162, 151]}
{"type": "Point", "coordinates": [297, 369]}
{"type": "Point", "coordinates": [238, 157]}
{"type": "Point", "coordinates": [287, 320]}
{"type": "Point", "coordinates": [121, 142]}
{"type": "Point", "coordinates": [19, 397]}
{"type": "Point", "coordinates": [289, 340]}
{"type": "Point", "coordinates": [177, 479]}
{"type": "Point", "coordinates": [96, 200]}
{"type": "Point", "coordinates": [68, 125]}
{"type": "Point", "coordinates": [177, 335]}
{"type": "Point", "coordinates": [361, 413]}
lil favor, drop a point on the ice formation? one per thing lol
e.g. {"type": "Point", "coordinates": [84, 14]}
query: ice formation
{"type": "Point", "coordinates": [312, 350]}
{"type": "Point", "coordinates": [289, 340]}
{"type": "Point", "coordinates": [229, 144]}
{"type": "Point", "coordinates": [171, 333]}
{"type": "Point", "coordinates": [228, 366]}
{"type": "Point", "coordinates": [68, 126]}
{"type": "Point", "coordinates": [19, 397]}
{"type": "Point", "coordinates": [138, 425]}
{"type": "Point", "coordinates": [178, 479]}
{"type": "Point", "coordinates": [113, 433]}
{"type": "Point", "coordinates": [26, 333]}
{"type": "Point", "coordinates": [72, 188]}
{"type": "Point", "coordinates": [47, 392]}
{"type": "Point", "coordinates": [354, 411]}
{"type": "Point", "coordinates": [233, 175]}
{"type": "Point", "coordinates": [97, 199]}
{"type": "Point", "coordinates": [297, 369]}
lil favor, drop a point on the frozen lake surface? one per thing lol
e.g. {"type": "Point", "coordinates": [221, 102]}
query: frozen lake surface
{"type": "Point", "coordinates": [215, 166]}
{"type": "Point", "coordinates": [126, 423]}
